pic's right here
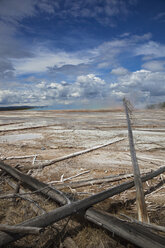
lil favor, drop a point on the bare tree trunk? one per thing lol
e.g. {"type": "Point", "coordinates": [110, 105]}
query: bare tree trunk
{"type": "Point", "coordinates": [140, 200]}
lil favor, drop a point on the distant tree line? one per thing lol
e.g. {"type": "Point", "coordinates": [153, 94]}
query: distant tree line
{"type": "Point", "coordinates": [156, 105]}
{"type": "Point", "coordinates": [15, 108]}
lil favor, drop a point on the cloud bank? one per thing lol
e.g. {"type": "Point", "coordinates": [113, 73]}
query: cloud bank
{"type": "Point", "coordinates": [34, 71]}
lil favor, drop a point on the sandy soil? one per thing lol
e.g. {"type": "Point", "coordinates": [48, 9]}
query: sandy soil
{"type": "Point", "coordinates": [52, 134]}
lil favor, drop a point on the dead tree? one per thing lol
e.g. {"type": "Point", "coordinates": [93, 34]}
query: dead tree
{"type": "Point", "coordinates": [36, 184]}
{"type": "Point", "coordinates": [75, 207]}
{"type": "Point", "coordinates": [72, 155]}
{"type": "Point", "coordinates": [140, 200]}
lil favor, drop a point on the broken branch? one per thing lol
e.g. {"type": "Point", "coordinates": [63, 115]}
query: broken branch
{"type": "Point", "coordinates": [20, 229]}
{"type": "Point", "coordinates": [66, 179]}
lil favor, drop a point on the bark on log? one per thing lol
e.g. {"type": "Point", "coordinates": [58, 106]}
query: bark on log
{"type": "Point", "coordinates": [53, 161]}
{"type": "Point", "coordinates": [149, 225]}
{"type": "Point", "coordinates": [20, 229]}
{"type": "Point", "coordinates": [49, 191]}
{"type": "Point", "coordinates": [138, 235]}
{"type": "Point", "coordinates": [74, 207]}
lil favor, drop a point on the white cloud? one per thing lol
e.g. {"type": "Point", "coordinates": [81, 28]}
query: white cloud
{"type": "Point", "coordinates": [125, 35]}
{"type": "Point", "coordinates": [44, 59]}
{"type": "Point", "coordinates": [16, 10]}
{"type": "Point", "coordinates": [12, 10]}
{"type": "Point", "coordinates": [119, 71]}
{"type": "Point", "coordinates": [160, 16]}
{"type": "Point", "coordinates": [108, 52]}
{"type": "Point", "coordinates": [88, 87]}
{"type": "Point", "coordinates": [118, 94]}
{"type": "Point", "coordinates": [12, 13]}
{"type": "Point", "coordinates": [102, 13]}
{"type": "Point", "coordinates": [90, 79]}
{"type": "Point", "coordinates": [41, 85]}
{"type": "Point", "coordinates": [150, 50]}
{"type": "Point", "coordinates": [103, 65]}
{"type": "Point", "coordinates": [144, 85]}
{"type": "Point", "coordinates": [39, 59]}
{"type": "Point", "coordinates": [85, 88]}
{"type": "Point", "coordinates": [154, 65]}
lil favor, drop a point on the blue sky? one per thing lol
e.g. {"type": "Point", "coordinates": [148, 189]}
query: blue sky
{"type": "Point", "coordinates": [82, 53]}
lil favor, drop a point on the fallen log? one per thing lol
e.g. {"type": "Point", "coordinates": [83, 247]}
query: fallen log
{"type": "Point", "coordinates": [136, 234]}
{"type": "Point", "coordinates": [20, 229]}
{"type": "Point", "coordinates": [20, 157]}
{"type": "Point", "coordinates": [49, 191]}
{"type": "Point", "coordinates": [75, 207]}
{"type": "Point", "coordinates": [93, 181]}
{"type": "Point", "coordinates": [53, 161]}
{"type": "Point", "coordinates": [36, 208]}
{"type": "Point", "coordinates": [149, 225]}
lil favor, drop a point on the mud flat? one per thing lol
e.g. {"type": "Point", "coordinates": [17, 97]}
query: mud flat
{"type": "Point", "coordinates": [49, 135]}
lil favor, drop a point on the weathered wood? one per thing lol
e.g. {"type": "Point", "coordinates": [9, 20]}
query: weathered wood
{"type": "Point", "coordinates": [14, 196]}
{"type": "Point", "coordinates": [136, 234]}
{"type": "Point", "coordinates": [149, 225]}
{"type": "Point", "coordinates": [72, 155]}
{"type": "Point", "coordinates": [35, 184]}
{"type": "Point", "coordinates": [20, 229]}
{"type": "Point", "coordinates": [19, 157]}
{"type": "Point", "coordinates": [83, 183]}
{"type": "Point", "coordinates": [75, 207]}
{"type": "Point", "coordinates": [148, 192]}
{"type": "Point", "coordinates": [140, 200]}
{"type": "Point", "coordinates": [69, 178]}
{"type": "Point", "coordinates": [93, 181]}
{"type": "Point", "coordinates": [34, 206]}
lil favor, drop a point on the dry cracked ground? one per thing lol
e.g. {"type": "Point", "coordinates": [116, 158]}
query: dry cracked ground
{"type": "Point", "coordinates": [47, 135]}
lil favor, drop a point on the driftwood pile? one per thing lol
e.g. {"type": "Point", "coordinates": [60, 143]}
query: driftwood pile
{"type": "Point", "coordinates": [138, 232]}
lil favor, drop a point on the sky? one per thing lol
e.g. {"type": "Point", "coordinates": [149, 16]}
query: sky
{"type": "Point", "coordinates": [73, 54]}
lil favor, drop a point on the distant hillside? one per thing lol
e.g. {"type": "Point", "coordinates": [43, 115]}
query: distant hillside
{"type": "Point", "coordinates": [9, 108]}
{"type": "Point", "coordinates": [157, 105]}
